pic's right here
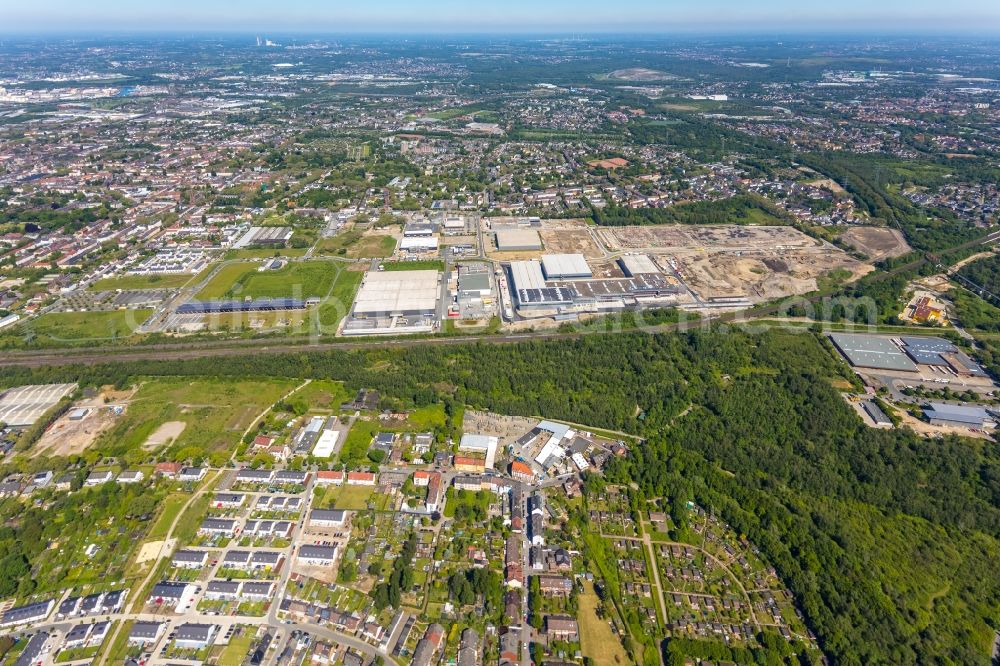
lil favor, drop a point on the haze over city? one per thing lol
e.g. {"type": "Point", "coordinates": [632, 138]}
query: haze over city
{"type": "Point", "coordinates": [521, 16]}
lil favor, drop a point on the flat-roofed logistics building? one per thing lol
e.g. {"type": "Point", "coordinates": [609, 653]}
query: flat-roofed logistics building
{"type": "Point", "coordinates": [565, 266]}
{"type": "Point", "coordinates": [872, 351]}
{"type": "Point", "coordinates": [527, 275]}
{"type": "Point", "coordinates": [398, 294]}
{"type": "Point", "coordinates": [518, 240]}
{"type": "Point", "coordinates": [637, 264]}
{"type": "Point", "coordinates": [970, 416]}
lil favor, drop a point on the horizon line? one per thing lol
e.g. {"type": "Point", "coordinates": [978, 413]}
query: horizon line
{"type": "Point", "coordinates": [988, 33]}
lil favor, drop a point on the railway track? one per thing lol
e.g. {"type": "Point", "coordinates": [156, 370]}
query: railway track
{"type": "Point", "coordinates": [187, 351]}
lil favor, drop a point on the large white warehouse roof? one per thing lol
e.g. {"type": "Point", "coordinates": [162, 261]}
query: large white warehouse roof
{"type": "Point", "coordinates": [527, 275]}
{"type": "Point", "coordinates": [388, 292]}
{"type": "Point", "coordinates": [565, 266]}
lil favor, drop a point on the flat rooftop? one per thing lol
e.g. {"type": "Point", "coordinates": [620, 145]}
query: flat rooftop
{"type": "Point", "coordinates": [24, 405]}
{"type": "Point", "coordinates": [388, 292]}
{"type": "Point", "coordinates": [872, 351]}
{"type": "Point", "coordinates": [638, 264]}
{"type": "Point", "coordinates": [565, 266]}
{"type": "Point", "coordinates": [527, 275]}
{"type": "Point", "coordinates": [518, 239]}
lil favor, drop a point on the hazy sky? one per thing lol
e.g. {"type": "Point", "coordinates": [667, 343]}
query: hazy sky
{"type": "Point", "coordinates": [315, 16]}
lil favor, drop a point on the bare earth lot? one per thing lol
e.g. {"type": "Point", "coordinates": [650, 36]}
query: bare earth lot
{"type": "Point", "coordinates": [569, 237]}
{"type": "Point", "coordinates": [67, 437]}
{"type": "Point", "coordinates": [167, 432]}
{"type": "Point", "coordinates": [876, 242]}
{"type": "Point", "coordinates": [756, 262]}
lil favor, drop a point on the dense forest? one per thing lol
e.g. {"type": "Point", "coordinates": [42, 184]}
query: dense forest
{"type": "Point", "coordinates": [985, 273]}
{"type": "Point", "coordinates": [889, 541]}
{"type": "Point", "coordinates": [741, 209]}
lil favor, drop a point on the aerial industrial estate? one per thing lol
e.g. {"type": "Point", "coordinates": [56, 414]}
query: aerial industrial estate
{"type": "Point", "coordinates": [460, 351]}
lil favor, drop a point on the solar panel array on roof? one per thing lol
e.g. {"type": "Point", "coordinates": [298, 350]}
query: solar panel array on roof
{"type": "Point", "coordinates": [642, 285]}
{"type": "Point", "coordinates": [549, 296]}
{"type": "Point", "coordinates": [262, 305]}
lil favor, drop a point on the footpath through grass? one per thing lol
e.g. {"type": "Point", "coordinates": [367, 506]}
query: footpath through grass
{"type": "Point", "coordinates": [172, 506]}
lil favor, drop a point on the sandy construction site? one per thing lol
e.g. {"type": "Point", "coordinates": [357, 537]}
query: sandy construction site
{"type": "Point", "coordinates": [72, 433]}
{"type": "Point", "coordinates": [570, 237]}
{"type": "Point", "coordinates": [730, 261]}
{"type": "Point", "coordinates": [877, 243]}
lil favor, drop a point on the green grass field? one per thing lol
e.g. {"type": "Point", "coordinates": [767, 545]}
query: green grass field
{"type": "Point", "coordinates": [172, 506]}
{"type": "Point", "coordinates": [334, 308]}
{"type": "Point", "coordinates": [118, 651]}
{"type": "Point", "coordinates": [190, 521]}
{"type": "Point", "coordinates": [427, 417]}
{"type": "Point", "coordinates": [423, 265]}
{"type": "Point", "coordinates": [84, 326]}
{"type": "Point", "coordinates": [311, 279]}
{"type": "Point", "coordinates": [126, 282]}
{"type": "Point", "coordinates": [223, 281]}
{"type": "Point", "coordinates": [322, 394]}
{"type": "Point", "coordinates": [216, 412]}
{"type": "Point", "coordinates": [357, 442]}
{"type": "Point", "coordinates": [353, 244]}
{"type": "Point", "coordinates": [237, 650]}
{"type": "Point", "coordinates": [350, 498]}
{"type": "Point", "coordinates": [597, 641]}
{"type": "Point", "coordinates": [264, 253]}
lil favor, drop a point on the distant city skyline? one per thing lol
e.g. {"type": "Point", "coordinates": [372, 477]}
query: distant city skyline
{"type": "Point", "coordinates": [522, 16]}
